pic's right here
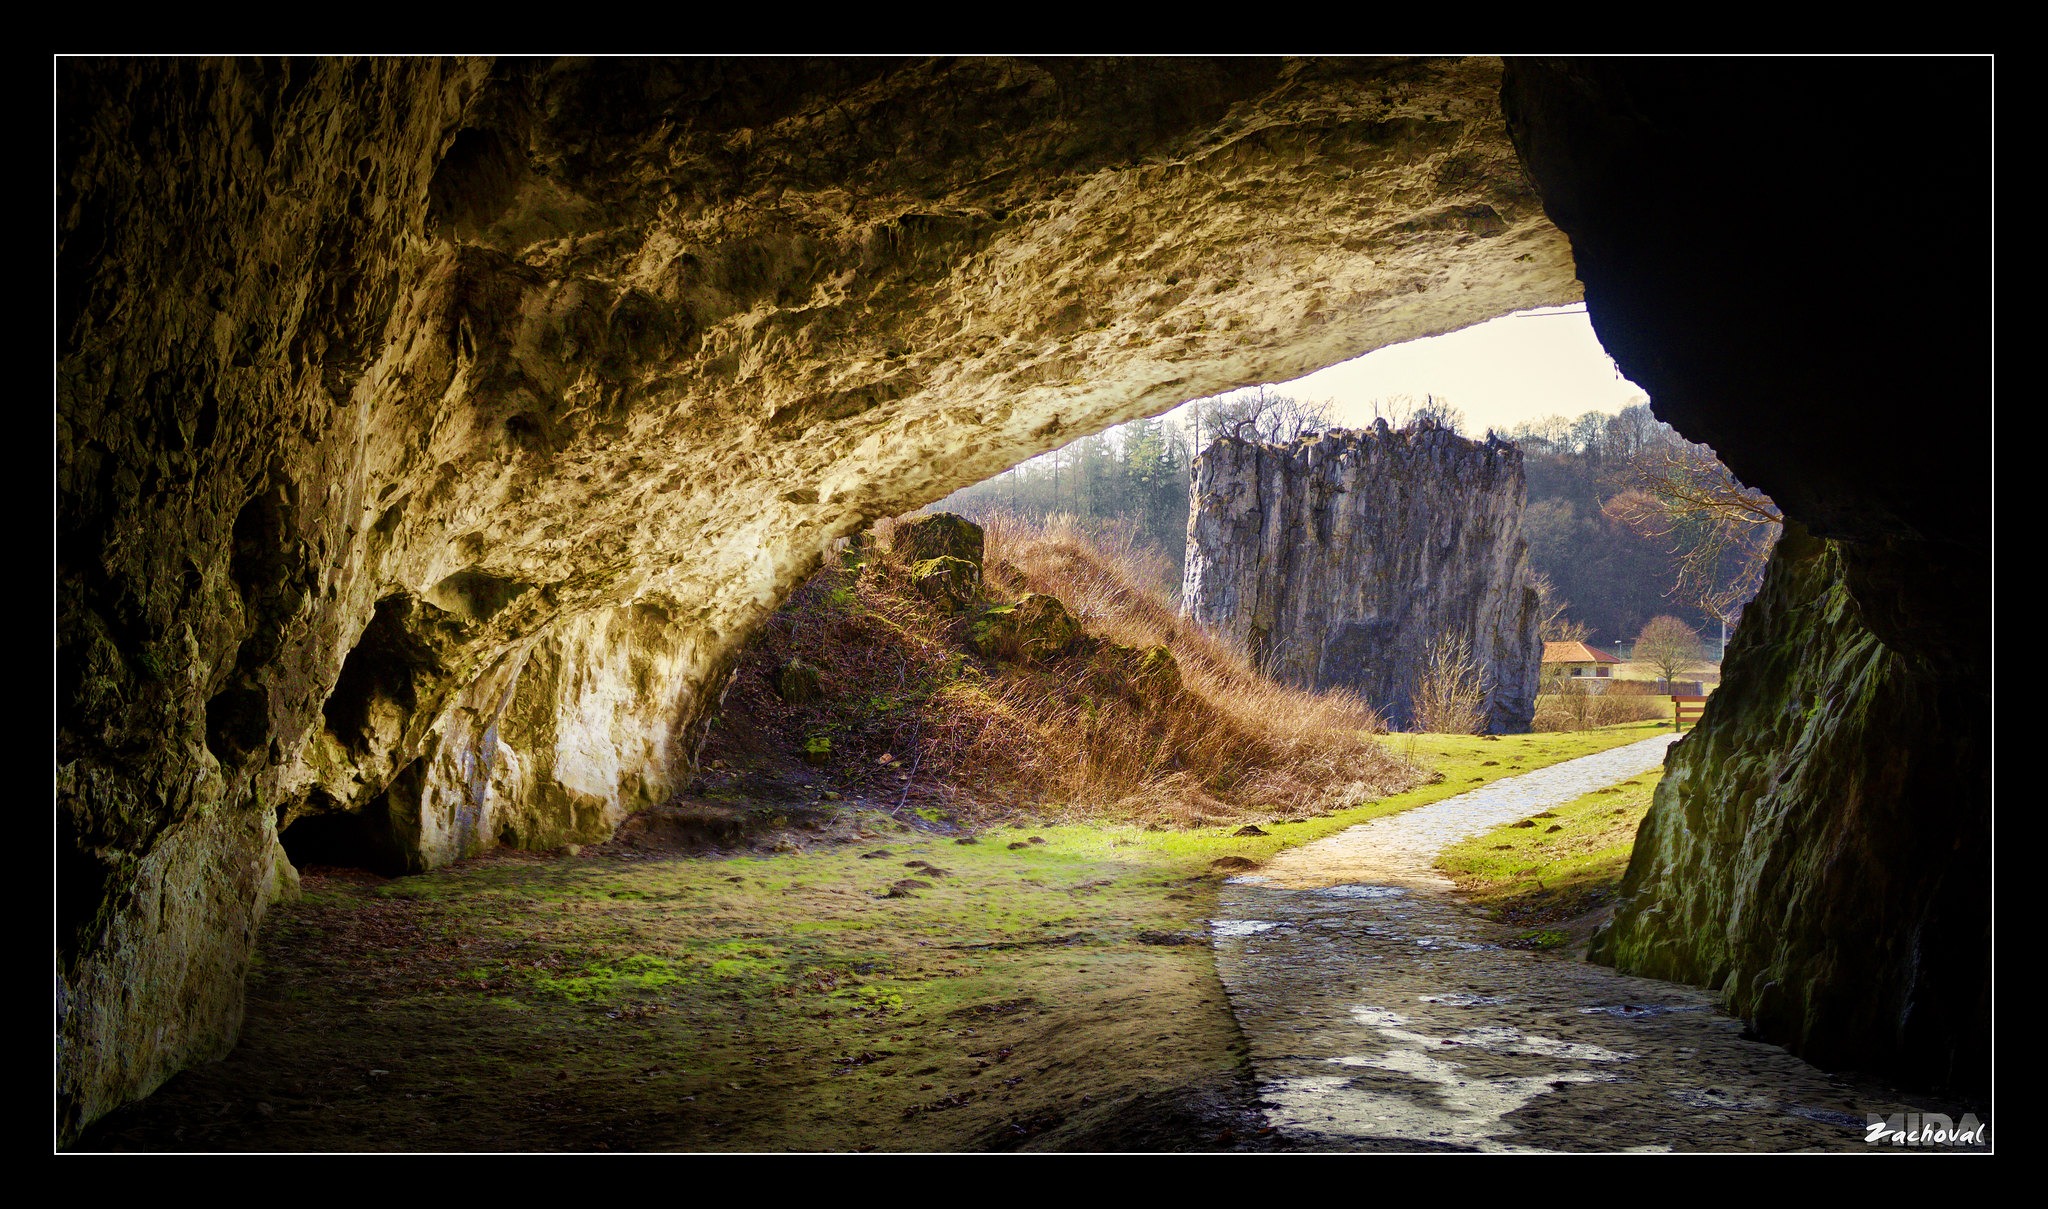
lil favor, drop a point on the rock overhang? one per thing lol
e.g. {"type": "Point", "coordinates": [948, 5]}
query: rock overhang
{"type": "Point", "coordinates": [505, 399]}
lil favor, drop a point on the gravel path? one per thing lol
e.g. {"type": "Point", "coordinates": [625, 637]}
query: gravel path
{"type": "Point", "coordinates": [1382, 1014]}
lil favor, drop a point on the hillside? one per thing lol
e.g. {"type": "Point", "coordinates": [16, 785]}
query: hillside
{"type": "Point", "coordinates": [1037, 677]}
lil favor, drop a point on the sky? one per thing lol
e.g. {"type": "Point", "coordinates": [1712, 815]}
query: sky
{"type": "Point", "coordinates": [1499, 373]}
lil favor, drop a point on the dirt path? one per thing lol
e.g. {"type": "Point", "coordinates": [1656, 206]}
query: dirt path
{"type": "Point", "coordinates": [1383, 1014]}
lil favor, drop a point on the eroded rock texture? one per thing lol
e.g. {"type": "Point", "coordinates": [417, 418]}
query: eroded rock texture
{"type": "Point", "coordinates": [1754, 257]}
{"type": "Point", "coordinates": [429, 433]}
{"type": "Point", "coordinates": [1337, 562]}
{"type": "Point", "coordinates": [1795, 858]}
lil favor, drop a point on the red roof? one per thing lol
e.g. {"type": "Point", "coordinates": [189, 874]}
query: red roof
{"type": "Point", "coordinates": [1575, 652]}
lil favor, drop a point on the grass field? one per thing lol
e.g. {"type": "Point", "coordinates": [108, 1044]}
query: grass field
{"type": "Point", "coordinates": [1548, 872]}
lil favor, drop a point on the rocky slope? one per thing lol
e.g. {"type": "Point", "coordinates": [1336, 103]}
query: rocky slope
{"type": "Point", "coordinates": [430, 432]}
{"type": "Point", "coordinates": [1336, 562]}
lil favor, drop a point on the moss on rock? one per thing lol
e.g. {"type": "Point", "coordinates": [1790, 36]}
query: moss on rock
{"type": "Point", "coordinates": [796, 682]}
{"type": "Point", "coordinates": [940, 535]}
{"type": "Point", "coordinates": [949, 583]}
{"type": "Point", "coordinates": [1034, 629]}
{"type": "Point", "coordinates": [1829, 879]}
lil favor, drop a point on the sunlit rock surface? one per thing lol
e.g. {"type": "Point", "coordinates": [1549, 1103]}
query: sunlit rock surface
{"type": "Point", "coordinates": [1337, 562]}
{"type": "Point", "coordinates": [429, 433]}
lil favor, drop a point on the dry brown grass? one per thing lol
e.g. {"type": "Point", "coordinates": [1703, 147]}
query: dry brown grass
{"type": "Point", "coordinates": [1077, 736]}
{"type": "Point", "coordinates": [1575, 706]}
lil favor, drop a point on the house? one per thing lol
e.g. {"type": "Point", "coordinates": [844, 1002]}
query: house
{"type": "Point", "coordinates": [1577, 659]}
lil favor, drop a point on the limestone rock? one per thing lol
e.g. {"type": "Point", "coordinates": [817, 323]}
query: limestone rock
{"type": "Point", "coordinates": [431, 433]}
{"type": "Point", "coordinates": [939, 535]}
{"type": "Point", "coordinates": [1032, 630]}
{"type": "Point", "coordinates": [947, 582]}
{"type": "Point", "coordinates": [1150, 677]}
{"type": "Point", "coordinates": [1336, 561]}
{"type": "Point", "coordinates": [1748, 877]}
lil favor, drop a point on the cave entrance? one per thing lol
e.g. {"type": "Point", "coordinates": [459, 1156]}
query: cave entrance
{"type": "Point", "coordinates": [1585, 492]}
{"type": "Point", "coordinates": [333, 839]}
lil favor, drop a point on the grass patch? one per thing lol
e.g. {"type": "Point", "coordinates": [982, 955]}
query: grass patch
{"type": "Point", "coordinates": [1568, 863]}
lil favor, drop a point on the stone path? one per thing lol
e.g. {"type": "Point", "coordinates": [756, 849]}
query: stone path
{"type": "Point", "coordinates": [1382, 1014]}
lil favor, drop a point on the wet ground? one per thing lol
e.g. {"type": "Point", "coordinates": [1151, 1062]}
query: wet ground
{"type": "Point", "coordinates": [1383, 1014]}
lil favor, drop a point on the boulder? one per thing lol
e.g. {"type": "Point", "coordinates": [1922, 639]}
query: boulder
{"type": "Point", "coordinates": [939, 535]}
{"type": "Point", "coordinates": [796, 682]}
{"type": "Point", "coordinates": [949, 583]}
{"type": "Point", "coordinates": [1032, 630]}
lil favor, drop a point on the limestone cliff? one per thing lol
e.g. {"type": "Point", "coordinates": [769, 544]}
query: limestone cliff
{"type": "Point", "coordinates": [430, 432]}
{"type": "Point", "coordinates": [1336, 562]}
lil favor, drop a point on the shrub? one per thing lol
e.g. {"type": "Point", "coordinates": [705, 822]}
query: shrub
{"type": "Point", "coordinates": [1451, 694]}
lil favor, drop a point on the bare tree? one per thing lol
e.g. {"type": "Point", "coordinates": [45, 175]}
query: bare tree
{"type": "Point", "coordinates": [1670, 646]}
{"type": "Point", "coordinates": [1553, 625]}
{"type": "Point", "coordinates": [1722, 531]}
{"type": "Point", "coordinates": [1396, 410]}
{"type": "Point", "coordinates": [1263, 414]}
{"type": "Point", "coordinates": [1449, 697]}
{"type": "Point", "coordinates": [1437, 412]}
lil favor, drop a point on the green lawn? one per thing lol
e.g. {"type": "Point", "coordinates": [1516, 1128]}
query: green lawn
{"type": "Point", "coordinates": [1555, 866]}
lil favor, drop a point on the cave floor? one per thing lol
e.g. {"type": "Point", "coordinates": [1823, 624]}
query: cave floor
{"type": "Point", "coordinates": [873, 984]}
{"type": "Point", "coordinates": [1035, 995]}
{"type": "Point", "coordinates": [1383, 1013]}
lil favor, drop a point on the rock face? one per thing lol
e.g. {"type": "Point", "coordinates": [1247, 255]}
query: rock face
{"type": "Point", "coordinates": [430, 432]}
{"type": "Point", "coordinates": [1789, 855]}
{"type": "Point", "coordinates": [1820, 847]}
{"type": "Point", "coordinates": [1337, 560]}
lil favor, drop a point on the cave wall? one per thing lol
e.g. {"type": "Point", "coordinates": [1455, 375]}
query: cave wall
{"type": "Point", "coordinates": [430, 432]}
{"type": "Point", "coordinates": [1337, 561]}
{"type": "Point", "coordinates": [1795, 262]}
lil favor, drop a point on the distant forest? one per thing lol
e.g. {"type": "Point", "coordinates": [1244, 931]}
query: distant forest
{"type": "Point", "coordinates": [1134, 479]}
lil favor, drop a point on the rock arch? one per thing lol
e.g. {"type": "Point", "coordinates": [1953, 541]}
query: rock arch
{"type": "Point", "coordinates": [430, 432]}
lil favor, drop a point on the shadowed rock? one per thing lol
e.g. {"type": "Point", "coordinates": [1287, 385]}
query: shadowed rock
{"type": "Point", "coordinates": [940, 535]}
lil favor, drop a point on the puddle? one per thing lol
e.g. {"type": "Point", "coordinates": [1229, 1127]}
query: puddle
{"type": "Point", "coordinates": [1637, 1011]}
{"type": "Point", "coordinates": [1463, 1000]}
{"type": "Point", "coordinates": [1241, 927]}
{"type": "Point", "coordinates": [1724, 1101]}
{"type": "Point", "coordinates": [1360, 891]}
{"type": "Point", "coordinates": [1827, 1116]}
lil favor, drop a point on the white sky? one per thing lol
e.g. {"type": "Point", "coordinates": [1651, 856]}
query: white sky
{"type": "Point", "coordinates": [1499, 373]}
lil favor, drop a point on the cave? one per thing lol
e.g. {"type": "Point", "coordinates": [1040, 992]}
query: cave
{"type": "Point", "coordinates": [501, 400]}
{"type": "Point", "coordinates": [362, 839]}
